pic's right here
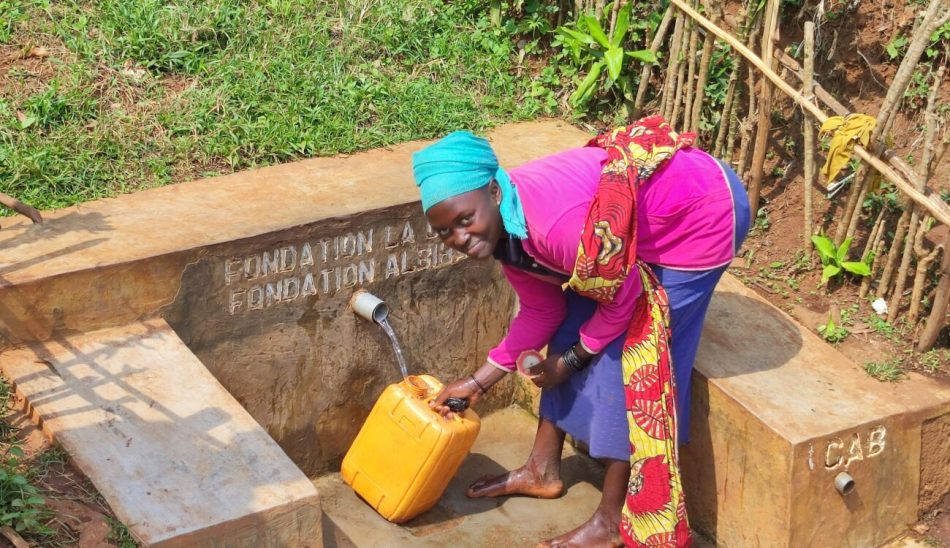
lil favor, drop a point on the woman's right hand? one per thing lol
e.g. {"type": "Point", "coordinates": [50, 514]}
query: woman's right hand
{"type": "Point", "coordinates": [464, 388]}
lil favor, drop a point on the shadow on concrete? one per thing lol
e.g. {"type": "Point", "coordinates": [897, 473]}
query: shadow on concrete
{"type": "Point", "coordinates": [20, 265]}
{"type": "Point", "coordinates": [74, 222]}
{"type": "Point", "coordinates": [744, 335]}
{"type": "Point", "coordinates": [138, 452]}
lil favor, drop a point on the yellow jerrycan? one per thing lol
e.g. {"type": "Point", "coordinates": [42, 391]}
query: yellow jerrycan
{"type": "Point", "coordinates": [405, 455]}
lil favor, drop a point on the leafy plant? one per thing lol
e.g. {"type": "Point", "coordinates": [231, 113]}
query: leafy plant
{"type": "Point", "coordinates": [834, 260]}
{"type": "Point", "coordinates": [591, 48]}
{"type": "Point", "coordinates": [939, 36]}
{"type": "Point", "coordinates": [762, 221]}
{"type": "Point", "coordinates": [21, 507]}
{"type": "Point", "coordinates": [896, 46]}
{"type": "Point", "coordinates": [833, 333]}
{"type": "Point", "coordinates": [919, 87]}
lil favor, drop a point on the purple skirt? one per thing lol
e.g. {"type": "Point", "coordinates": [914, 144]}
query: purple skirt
{"type": "Point", "coordinates": [590, 405]}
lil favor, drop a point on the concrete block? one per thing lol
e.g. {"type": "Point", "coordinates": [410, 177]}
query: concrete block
{"type": "Point", "coordinates": [778, 414]}
{"type": "Point", "coordinates": [254, 270]}
{"type": "Point", "coordinates": [175, 456]}
{"type": "Point", "coordinates": [504, 443]}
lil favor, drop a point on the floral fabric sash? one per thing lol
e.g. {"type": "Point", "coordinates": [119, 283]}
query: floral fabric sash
{"type": "Point", "coordinates": [654, 513]}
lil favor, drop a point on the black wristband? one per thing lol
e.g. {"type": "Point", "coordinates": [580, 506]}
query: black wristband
{"type": "Point", "coordinates": [574, 362]}
{"type": "Point", "coordinates": [478, 384]}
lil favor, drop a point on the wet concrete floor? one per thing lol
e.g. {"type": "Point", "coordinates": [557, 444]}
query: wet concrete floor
{"type": "Point", "coordinates": [504, 443]}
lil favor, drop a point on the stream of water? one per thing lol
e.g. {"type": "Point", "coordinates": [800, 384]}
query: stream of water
{"type": "Point", "coordinates": [396, 348]}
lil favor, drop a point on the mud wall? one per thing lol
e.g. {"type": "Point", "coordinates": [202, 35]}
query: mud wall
{"type": "Point", "coordinates": [269, 318]}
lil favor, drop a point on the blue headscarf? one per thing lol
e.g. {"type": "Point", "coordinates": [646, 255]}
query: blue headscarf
{"type": "Point", "coordinates": [462, 162]}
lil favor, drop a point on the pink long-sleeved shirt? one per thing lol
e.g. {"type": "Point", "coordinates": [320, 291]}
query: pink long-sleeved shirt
{"type": "Point", "coordinates": [685, 222]}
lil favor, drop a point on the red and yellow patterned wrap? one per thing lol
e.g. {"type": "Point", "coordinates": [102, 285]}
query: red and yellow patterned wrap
{"type": "Point", "coordinates": [654, 513]}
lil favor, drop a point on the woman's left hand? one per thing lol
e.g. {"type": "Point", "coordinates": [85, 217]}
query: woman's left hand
{"type": "Point", "coordinates": [552, 372]}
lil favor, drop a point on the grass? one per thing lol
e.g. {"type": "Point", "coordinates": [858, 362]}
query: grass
{"type": "Point", "coordinates": [146, 93]}
{"type": "Point", "coordinates": [886, 371]}
{"type": "Point", "coordinates": [935, 360]}
{"type": "Point", "coordinates": [119, 534]}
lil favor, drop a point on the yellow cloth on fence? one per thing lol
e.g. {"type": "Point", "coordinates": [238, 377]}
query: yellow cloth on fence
{"type": "Point", "coordinates": [845, 131]}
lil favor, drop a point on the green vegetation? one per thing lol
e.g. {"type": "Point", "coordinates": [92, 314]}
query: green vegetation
{"type": "Point", "coordinates": [935, 360]}
{"type": "Point", "coordinates": [886, 371]}
{"type": "Point", "coordinates": [833, 260]}
{"type": "Point", "coordinates": [833, 333]}
{"type": "Point", "coordinates": [21, 506]}
{"type": "Point", "coordinates": [140, 94]}
{"type": "Point", "coordinates": [119, 534]}
{"type": "Point", "coordinates": [593, 51]}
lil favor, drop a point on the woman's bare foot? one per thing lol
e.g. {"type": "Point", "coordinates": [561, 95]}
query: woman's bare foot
{"type": "Point", "coordinates": [599, 531]}
{"type": "Point", "coordinates": [523, 481]}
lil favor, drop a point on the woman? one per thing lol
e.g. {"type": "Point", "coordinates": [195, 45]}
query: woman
{"type": "Point", "coordinates": [595, 218]}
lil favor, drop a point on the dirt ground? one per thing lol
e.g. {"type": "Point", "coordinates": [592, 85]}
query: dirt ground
{"type": "Point", "coordinates": [80, 515]}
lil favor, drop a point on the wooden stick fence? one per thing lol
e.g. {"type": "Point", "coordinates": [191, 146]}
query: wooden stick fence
{"type": "Point", "coordinates": [928, 200]}
{"type": "Point", "coordinates": [911, 184]}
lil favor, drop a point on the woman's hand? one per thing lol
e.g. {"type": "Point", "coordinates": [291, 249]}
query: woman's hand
{"type": "Point", "coordinates": [552, 372]}
{"type": "Point", "coordinates": [464, 388]}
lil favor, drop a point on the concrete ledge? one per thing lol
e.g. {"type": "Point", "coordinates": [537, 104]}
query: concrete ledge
{"type": "Point", "coordinates": [778, 414]}
{"type": "Point", "coordinates": [174, 455]}
{"type": "Point", "coordinates": [254, 270]}
{"type": "Point", "coordinates": [112, 261]}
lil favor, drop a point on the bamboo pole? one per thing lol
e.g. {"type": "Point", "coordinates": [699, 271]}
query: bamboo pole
{"type": "Point", "coordinates": [938, 311]}
{"type": "Point", "coordinates": [680, 75]}
{"type": "Point", "coordinates": [746, 126]}
{"type": "Point", "coordinates": [873, 249]}
{"type": "Point", "coordinates": [613, 18]}
{"type": "Point", "coordinates": [672, 67]}
{"type": "Point", "coordinates": [897, 292]}
{"type": "Point", "coordinates": [731, 135]}
{"type": "Point", "coordinates": [647, 71]}
{"type": "Point", "coordinates": [932, 20]}
{"type": "Point", "coordinates": [911, 239]}
{"type": "Point", "coordinates": [808, 131]}
{"type": "Point", "coordinates": [765, 107]}
{"type": "Point", "coordinates": [753, 24]}
{"type": "Point", "coordinates": [924, 261]}
{"type": "Point", "coordinates": [690, 77]}
{"type": "Point", "coordinates": [726, 119]}
{"type": "Point", "coordinates": [853, 223]}
{"type": "Point", "coordinates": [700, 97]}
{"type": "Point", "coordinates": [892, 255]}
{"type": "Point", "coordinates": [932, 203]}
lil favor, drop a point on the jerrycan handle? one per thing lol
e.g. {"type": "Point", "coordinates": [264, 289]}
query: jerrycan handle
{"type": "Point", "coordinates": [457, 405]}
